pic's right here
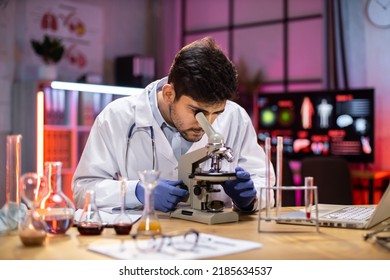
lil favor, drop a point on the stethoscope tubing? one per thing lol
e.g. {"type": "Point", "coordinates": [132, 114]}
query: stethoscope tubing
{"type": "Point", "coordinates": [152, 139]}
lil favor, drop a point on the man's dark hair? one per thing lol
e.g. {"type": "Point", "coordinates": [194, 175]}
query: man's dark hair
{"type": "Point", "coordinates": [203, 72]}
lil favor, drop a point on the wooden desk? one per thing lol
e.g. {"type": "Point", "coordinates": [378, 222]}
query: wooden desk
{"type": "Point", "coordinates": [371, 176]}
{"type": "Point", "coordinates": [294, 243]}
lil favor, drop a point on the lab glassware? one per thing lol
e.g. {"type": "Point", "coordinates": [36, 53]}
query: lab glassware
{"type": "Point", "coordinates": [123, 223]}
{"type": "Point", "coordinates": [149, 221]}
{"type": "Point", "coordinates": [279, 172]}
{"type": "Point", "coordinates": [268, 198]}
{"type": "Point", "coordinates": [32, 229]}
{"type": "Point", "coordinates": [90, 222]}
{"type": "Point", "coordinates": [275, 214]}
{"type": "Point", "coordinates": [308, 196]}
{"type": "Point", "coordinates": [13, 170]}
{"type": "Point", "coordinates": [56, 208]}
{"type": "Point", "coordinates": [33, 189]}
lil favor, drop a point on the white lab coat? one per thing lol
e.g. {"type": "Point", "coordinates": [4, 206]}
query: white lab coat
{"type": "Point", "coordinates": [103, 158]}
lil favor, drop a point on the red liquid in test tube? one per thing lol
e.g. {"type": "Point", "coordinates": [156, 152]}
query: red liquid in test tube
{"type": "Point", "coordinates": [308, 196]}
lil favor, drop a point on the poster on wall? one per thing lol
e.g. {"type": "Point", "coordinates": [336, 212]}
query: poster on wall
{"type": "Point", "coordinates": [7, 66]}
{"type": "Point", "coordinates": [7, 28]}
{"type": "Point", "coordinates": [78, 25]}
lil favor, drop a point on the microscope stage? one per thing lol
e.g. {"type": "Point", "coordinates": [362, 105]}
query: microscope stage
{"type": "Point", "coordinates": [215, 177]}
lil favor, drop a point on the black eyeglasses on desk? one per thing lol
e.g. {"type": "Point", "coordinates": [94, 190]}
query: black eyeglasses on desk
{"type": "Point", "coordinates": [380, 236]}
{"type": "Point", "coordinates": [149, 241]}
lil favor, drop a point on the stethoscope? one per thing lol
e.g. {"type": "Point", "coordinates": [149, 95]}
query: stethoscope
{"type": "Point", "coordinates": [132, 132]}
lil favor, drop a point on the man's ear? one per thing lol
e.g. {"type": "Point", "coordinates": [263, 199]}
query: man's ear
{"type": "Point", "coordinates": [168, 93]}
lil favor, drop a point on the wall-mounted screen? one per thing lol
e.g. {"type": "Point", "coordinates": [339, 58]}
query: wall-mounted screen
{"type": "Point", "coordinates": [320, 122]}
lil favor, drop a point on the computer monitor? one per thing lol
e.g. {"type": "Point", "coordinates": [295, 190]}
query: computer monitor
{"type": "Point", "coordinates": [337, 122]}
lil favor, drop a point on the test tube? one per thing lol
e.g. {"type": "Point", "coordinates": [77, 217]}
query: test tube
{"type": "Point", "coordinates": [268, 177]}
{"type": "Point", "coordinates": [308, 196]}
{"type": "Point", "coordinates": [279, 173]}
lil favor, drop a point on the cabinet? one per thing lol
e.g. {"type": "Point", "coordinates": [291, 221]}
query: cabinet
{"type": "Point", "coordinates": [55, 118]}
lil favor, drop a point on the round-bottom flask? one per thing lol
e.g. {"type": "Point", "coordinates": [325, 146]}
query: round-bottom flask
{"type": "Point", "coordinates": [149, 221]}
{"type": "Point", "coordinates": [56, 208]}
{"type": "Point", "coordinates": [90, 222]}
{"type": "Point", "coordinates": [123, 223]}
{"type": "Point", "coordinates": [32, 229]}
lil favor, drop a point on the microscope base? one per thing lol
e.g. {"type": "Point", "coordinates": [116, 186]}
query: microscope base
{"type": "Point", "coordinates": [205, 217]}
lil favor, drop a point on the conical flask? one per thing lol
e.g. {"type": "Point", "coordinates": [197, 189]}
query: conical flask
{"type": "Point", "coordinates": [56, 208]}
{"type": "Point", "coordinates": [90, 222]}
{"type": "Point", "coordinates": [123, 223]}
{"type": "Point", "coordinates": [149, 222]}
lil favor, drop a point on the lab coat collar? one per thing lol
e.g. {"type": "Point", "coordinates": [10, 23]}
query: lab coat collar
{"type": "Point", "coordinates": [143, 112]}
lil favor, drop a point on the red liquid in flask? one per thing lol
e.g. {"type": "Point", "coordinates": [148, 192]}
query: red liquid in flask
{"type": "Point", "coordinates": [122, 229]}
{"type": "Point", "coordinates": [90, 229]}
{"type": "Point", "coordinates": [58, 224]}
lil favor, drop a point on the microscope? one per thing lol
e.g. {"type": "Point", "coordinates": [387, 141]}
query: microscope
{"type": "Point", "coordinates": [200, 206]}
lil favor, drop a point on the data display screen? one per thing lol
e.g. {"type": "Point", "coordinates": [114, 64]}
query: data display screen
{"type": "Point", "coordinates": [320, 123]}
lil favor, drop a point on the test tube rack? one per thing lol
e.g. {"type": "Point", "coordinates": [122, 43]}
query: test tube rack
{"type": "Point", "coordinates": [267, 214]}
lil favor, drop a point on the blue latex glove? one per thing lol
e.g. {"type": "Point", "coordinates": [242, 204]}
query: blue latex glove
{"type": "Point", "coordinates": [241, 190]}
{"type": "Point", "coordinates": [166, 194]}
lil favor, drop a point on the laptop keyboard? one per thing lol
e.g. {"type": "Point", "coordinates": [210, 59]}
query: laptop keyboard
{"type": "Point", "coordinates": [351, 213]}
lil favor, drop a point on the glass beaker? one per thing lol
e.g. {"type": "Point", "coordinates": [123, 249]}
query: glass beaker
{"type": "Point", "coordinates": [123, 223]}
{"type": "Point", "coordinates": [13, 170]}
{"type": "Point", "coordinates": [32, 228]}
{"type": "Point", "coordinates": [56, 208]}
{"type": "Point", "coordinates": [149, 221]}
{"type": "Point", "coordinates": [90, 222]}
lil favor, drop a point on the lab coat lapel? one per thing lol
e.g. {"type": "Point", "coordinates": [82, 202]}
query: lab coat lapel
{"type": "Point", "coordinates": [163, 146]}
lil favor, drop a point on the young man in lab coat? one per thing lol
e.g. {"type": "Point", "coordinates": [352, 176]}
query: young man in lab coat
{"type": "Point", "coordinates": [153, 129]}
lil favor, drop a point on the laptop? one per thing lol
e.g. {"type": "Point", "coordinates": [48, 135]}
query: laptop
{"type": "Point", "coordinates": [343, 216]}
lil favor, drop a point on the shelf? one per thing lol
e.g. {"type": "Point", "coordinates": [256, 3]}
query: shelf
{"type": "Point", "coordinates": [57, 127]}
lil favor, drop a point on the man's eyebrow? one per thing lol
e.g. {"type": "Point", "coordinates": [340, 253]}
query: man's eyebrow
{"type": "Point", "coordinates": [196, 108]}
{"type": "Point", "coordinates": [220, 111]}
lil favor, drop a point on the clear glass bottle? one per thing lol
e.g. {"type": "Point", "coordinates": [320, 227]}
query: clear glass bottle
{"type": "Point", "coordinates": [149, 221]}
{"type": "Point", "coordinates": [123, 223]}
{"type": "Point", "coordinates": [32, 229]}
{"type": "Point", "coordinates": [90, 222]}
{"type": "Point", "coordinates": [56, 208]}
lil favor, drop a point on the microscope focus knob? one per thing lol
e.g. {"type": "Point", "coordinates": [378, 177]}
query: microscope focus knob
{"type": "Point", "coordinates": [197, 190]}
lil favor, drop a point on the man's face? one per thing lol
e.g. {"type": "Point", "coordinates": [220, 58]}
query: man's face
{"type": "Point", "coordinates": [182, 113]}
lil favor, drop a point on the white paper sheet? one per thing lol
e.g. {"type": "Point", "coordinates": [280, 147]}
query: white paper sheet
{"type": "Point", "coordinates": [208, 246]}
